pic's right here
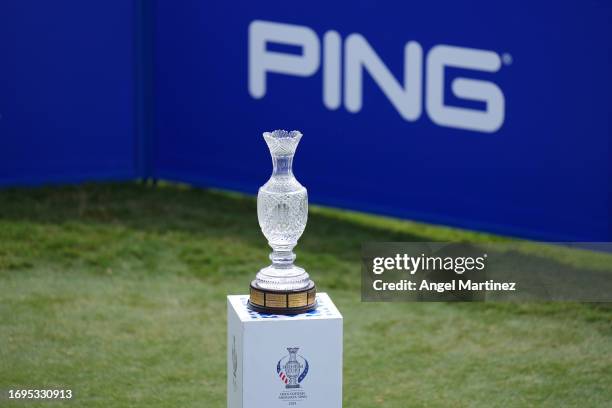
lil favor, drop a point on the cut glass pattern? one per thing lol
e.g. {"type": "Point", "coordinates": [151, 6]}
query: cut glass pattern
{"type": "Point", "coordinates": [282, 211]}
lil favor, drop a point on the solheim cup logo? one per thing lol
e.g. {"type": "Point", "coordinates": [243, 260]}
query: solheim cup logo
{"type": "Point", "coordinates": [292, 369]}
{"type": "Point", "coordinates": [234, 363]}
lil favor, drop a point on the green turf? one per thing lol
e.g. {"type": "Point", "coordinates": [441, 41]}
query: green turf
{"type": "Point", "coordinates": [118, 293]}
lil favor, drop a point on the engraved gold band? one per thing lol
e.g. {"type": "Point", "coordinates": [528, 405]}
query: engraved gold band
{"type": "Point", "coordinates": [280, 300]}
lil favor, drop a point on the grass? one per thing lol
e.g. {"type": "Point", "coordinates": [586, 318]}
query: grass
{"type": "Point", "coordinates": [118, 293]}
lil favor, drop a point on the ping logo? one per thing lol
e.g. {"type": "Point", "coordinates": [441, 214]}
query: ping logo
{"type": "Point", "coordinates": [358, 57]}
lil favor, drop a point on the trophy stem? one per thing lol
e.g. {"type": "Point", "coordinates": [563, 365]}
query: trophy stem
{"type": "Point", "coordinates": [282, 259]}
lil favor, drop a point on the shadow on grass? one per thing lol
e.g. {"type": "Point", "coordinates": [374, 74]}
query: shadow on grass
{"type": "Point", "coordinates": [205, 233]}
{"type": "Point", "coordinates": [199, 212]}
{"type": "Point", "coordinates": [210, 234]}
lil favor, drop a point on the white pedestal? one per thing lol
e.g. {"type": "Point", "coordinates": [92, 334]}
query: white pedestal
{"type": "Point", "coordinates": [258, 372]}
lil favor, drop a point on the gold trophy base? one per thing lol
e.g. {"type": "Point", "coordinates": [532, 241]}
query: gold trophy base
{"type": "Point", "coordinates": [283, 302]}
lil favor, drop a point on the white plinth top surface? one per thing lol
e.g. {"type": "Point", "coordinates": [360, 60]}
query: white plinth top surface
{"type": "Point", "coordinates": [325, 310]}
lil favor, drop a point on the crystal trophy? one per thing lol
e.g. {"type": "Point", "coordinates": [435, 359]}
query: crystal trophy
{"type": "Point", "coordinates": [282, 211]}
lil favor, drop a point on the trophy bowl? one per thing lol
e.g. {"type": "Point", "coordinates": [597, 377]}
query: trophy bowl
{"type": "Point", "coordinates": [282, 211]}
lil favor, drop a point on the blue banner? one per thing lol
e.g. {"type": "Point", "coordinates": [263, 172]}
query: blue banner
{"type": "Point", "coordinates": [67, 91]}
{"type": "Point", "coordinates": [486, 115]}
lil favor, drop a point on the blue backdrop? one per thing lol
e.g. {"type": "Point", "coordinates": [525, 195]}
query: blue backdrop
{"type": "Point", "coordinates": [67, 91]}
{"type": "Point", "coordinates": [500, 121]}
{"type": "Point", "coordinates": [544, 174]}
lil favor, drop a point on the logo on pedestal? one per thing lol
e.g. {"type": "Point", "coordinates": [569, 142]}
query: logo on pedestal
{"type": "Point", "coordinates": [234, 363]}
{"type": "Point", "coordinates": [291, 370]}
